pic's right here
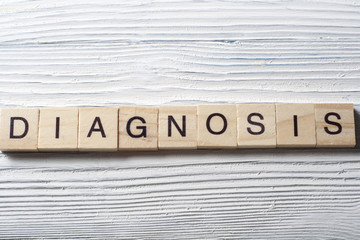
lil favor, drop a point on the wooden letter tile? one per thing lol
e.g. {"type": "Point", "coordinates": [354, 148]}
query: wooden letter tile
{"type": "Point", "coordinates": [98, 129]}
{"type": "Point", "coordinates": [58, 129]}
{"type": "Point", "coordinates": [217, 126]}
{"type": "Point", "coordinates": [295, 125]}
{"type": "Point", "coordinates": [256, 126]}
{"type": "Point", "coordinates": [138, 128]}
{"type": "Point", "coordinates": [177, 127]}
{"type": "Point", "coordinates": [19, 129]}
{"type": "Point", "coordinates": [335, 125]}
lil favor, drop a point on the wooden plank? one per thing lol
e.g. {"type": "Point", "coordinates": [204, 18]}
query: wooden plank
{"type": "Point", "coordinates": [113, 53]}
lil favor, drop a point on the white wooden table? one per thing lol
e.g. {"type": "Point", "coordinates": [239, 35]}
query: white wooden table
{"type": "Point", "coordinates": [111, 53]}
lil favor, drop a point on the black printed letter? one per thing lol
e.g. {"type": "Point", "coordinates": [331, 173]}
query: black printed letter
{"type": "Point", "coordinates": [181, 131]}
{"type": "Point", "coordinates": [262, 130]}
{"type": "Point", "coordinates": [100, 129]}
{"type": "Point", "coordinates": [208, 123]}
{"type": "Point", "coordinates": [12, 120]}
{"type": "Point", "coordinates": [143, 128]}
{"type": "Point", "coordinates": [332, 123]}
{"type": "Point", "coordinates": [57, 130]}
{"type": "Point", "coordinates": [295, 117]}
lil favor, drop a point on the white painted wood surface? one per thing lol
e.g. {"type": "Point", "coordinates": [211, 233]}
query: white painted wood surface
{"type": "Point", "coordinates": [110, 53]}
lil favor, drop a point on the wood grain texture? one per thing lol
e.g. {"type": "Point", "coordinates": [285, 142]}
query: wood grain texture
{"type": "Point", "coordinates": [111, 53]}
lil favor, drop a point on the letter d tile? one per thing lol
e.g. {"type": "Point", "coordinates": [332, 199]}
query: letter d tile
{"type": "Point", "coordinates": [19, 129]}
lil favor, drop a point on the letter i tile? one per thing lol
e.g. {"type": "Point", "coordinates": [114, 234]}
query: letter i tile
{"type": "Point", "coordinates": [295, 125]}
{"type": "Point", "coordinates": [58, 129]}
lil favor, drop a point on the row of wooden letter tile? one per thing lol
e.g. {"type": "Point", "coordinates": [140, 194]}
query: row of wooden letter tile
{"type": "Point", "coordinates": [177, 127]}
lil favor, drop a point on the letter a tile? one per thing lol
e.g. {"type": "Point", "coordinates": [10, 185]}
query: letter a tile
{"type": "Point", "coordinates": [19, 129]}
{"type": "Point", "coordinates": [98, 129]}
